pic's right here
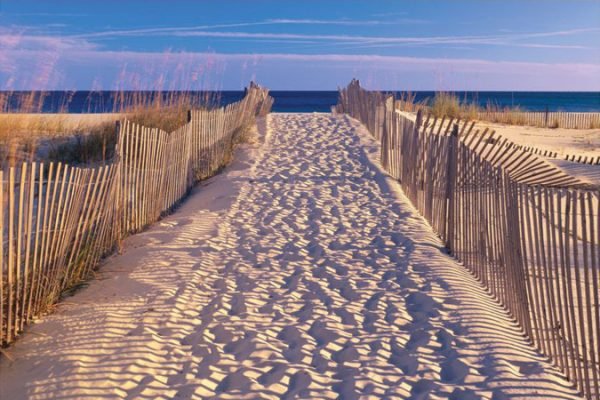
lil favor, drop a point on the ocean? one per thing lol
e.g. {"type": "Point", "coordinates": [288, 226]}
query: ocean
{"type": "Point", "coordinates": [321, 101]}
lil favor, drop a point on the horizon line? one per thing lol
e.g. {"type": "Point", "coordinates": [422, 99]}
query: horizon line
{"type": "Point", "coordinates": [298, 90]}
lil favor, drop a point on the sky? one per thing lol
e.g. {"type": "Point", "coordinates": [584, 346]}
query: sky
{"type": "Point", "coordinates": [300, 45]}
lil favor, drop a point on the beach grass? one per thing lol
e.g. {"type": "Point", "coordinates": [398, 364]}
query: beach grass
{"type": "Point", "coordinates": [449, 105]}
{"type": "Point", "coordinates": [28, 134]}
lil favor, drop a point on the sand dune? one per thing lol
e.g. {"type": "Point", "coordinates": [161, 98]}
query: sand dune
{"type": "Point", "coordinates": [580, 142]}
{"type": "Point", "coordinates": [65, 121]}
{"type": "Point", "coordinates": [301, 271]}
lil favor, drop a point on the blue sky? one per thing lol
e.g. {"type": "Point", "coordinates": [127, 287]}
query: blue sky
{"type": "Point", "coordinates": [301, 45]}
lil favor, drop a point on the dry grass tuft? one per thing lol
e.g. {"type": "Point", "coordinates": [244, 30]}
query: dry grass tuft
{"type": "Point", "coordinates": [26, 134]}
{"type": "Point", "coordinates": [244, 134]}
{"type": "Point", "coordinates": [167, 119]}
{"type": "Point", "coordinates": [97, 145]}
{"type": "Point", "coordinates": [167, 111]}
{"type": "Point", "coordinates": [407, 102]}
{"type": "Point", "coordinates": [449, 105]}
{"type": "Point", "coordinates": [54, 137]}
{"type": "Point", "coordinates": [446, 105]}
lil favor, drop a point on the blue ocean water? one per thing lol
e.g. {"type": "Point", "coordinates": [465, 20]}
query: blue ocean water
{"type": "Point", "coordinates": [314, 101]}
{"type": "Point", "coordinates": [299, 101]}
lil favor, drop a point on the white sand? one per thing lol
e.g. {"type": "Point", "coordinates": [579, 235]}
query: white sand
{"type": "Point", "coordinates": [301, 270]}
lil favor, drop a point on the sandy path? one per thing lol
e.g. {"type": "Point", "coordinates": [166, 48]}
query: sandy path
{"type": "Point", "coordinates": [299, 271]}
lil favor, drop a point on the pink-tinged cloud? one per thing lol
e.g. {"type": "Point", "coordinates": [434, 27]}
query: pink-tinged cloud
{"type": "Point", "coordinates": [80, 69]}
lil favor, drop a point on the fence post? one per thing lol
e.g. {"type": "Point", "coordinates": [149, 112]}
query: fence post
{"type": "Point", "coordinates": [386, 128]}
{"type": "Point", "coordinates": [418, 124]}
{"type": "Point", "coordinates": [546, 118]}
{"type": "Point", "coordinates": [451, 186]}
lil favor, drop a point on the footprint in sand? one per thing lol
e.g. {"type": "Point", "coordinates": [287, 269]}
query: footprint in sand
{"type": "Point", "coordinates": [373, 302]}
{"type": "Point", "coordinates": [319, 363]}
{"type": "Point", "coordinates": [341, 270]}
{"type": "Point", "coordinates": [446, 340]}
{"type": "Point", "coordinates": [241, 348]}
{"type": "Point", "coordinates": [235, 381]}
{"type": "Point", "coordinates": [305, 313]}
{"type": "Point", "coordinates": [244, 283]}
{"type": "Point", "coordinates": [369, 321]}
{"type": "Point", "coordinates": [210, 357]}
{"type": "Point", "coordinates": [347, 354]}
{"type": "Point", "coordinates": [322, 334]}
{"type": "Point", "coordinates": [421, 307]}
{"type": "Point", "coordinates": [403, 359]}
{"type": "Point", "coordinates": [463, 394]}
{"type": "Point", "coordinates": [348, 293]}
{"type": "Point", "coordinates": [392, 313]}
{"type": "Point", "coordinates": [220, 284]}
{"type": "Point", "coordinates": [291, 282]}
{"type": "Point", "coordinates": [420, 389]}
{"type": "Point", "coordinates": [418, 338]}
{"type": "Point", "coordinates": [454, 371]}
{"type": "Point", "coordinates": [294, 339]}
{"type": "Point", "coordinates": [238, 305]}
{"type": "Point", "coordinates": [316, 292]}
{"type": "Point", "coordinates": [299, 383]}
{"type": "Point", "coordinates": [346, 388]}
{"type": "Point", "coordinates": [347, 317]}
{"type": "Point", "coordinates": [274, 375]}
{"type": "Point", "coordinates": [221, 334]}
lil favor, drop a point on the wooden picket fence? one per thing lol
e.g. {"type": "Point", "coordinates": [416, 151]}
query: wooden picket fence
{"type": "Point", "coordinates": [527, 230]}
{"type": "Point", "coordinates": [591, 160]}
{"type": "Point", "coordinates": [542, 119]}
{"type": "Point", "coordinates": [581, 159]}
{"type": "Point", "coordinates": [57, 221]}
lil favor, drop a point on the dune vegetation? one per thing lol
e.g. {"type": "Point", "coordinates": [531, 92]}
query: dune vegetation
{"type": "Point", "coordinates": [447, 104]}
{"type": "Point", "coordinates": [450, 105]}
{"type": "Point", "coordinates": [27, 133]}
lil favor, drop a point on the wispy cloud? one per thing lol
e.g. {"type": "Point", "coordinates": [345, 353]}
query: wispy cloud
{"type": "Point", "coordinates": [346, 22]}
{"type": "Point", "coordinates": [23, 40]}
{"type": "Point", "coordinates": [42, 14]}
{"type": "Point", "coordinates": [168, 31]}
{"type": "Point", "coordinates": [275, 69]}
{"type": "Point", "coordinates": [173, 31]}
{"type": "Point", "coordinates": [508, 39]}
{"type": "Point", "coordinates": [461, 44]}
{"type": "Point", "coordinates": [42, 43]}
{"type": "Point", "coordinates": [57, 25]}
{"type": "Point", "coordinates": [72, 60]}
{"type": "Point", "coordinates": [495, 40]}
